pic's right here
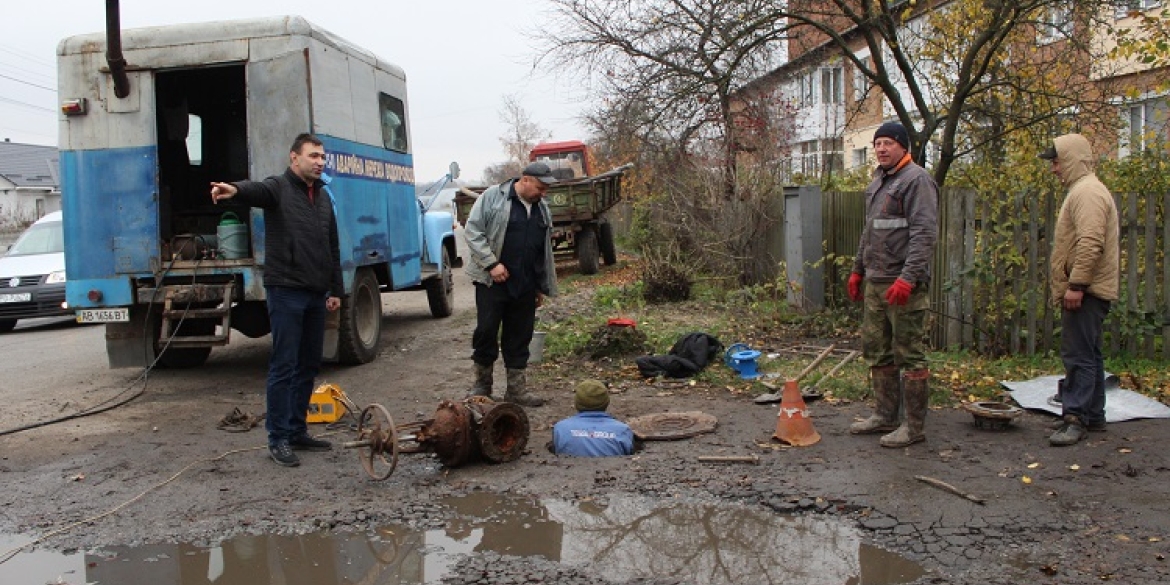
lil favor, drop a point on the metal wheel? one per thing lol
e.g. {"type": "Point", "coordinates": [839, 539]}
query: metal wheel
{"type": "Point", "coordinates": [376, 432]}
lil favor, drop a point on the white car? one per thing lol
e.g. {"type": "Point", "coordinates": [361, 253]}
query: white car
{"type": "Point", "coordinates": [32, 274]}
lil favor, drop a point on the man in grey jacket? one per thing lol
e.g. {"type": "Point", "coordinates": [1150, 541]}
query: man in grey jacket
{"type": "Point", "coordinates": [891, 273]}
{"type": "Point", "coordinates": [509, 240]}
{"type": "Point", "coordinates": [302, 280]}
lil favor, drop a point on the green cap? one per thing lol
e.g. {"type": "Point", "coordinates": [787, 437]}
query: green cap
{"type": "Point", "coordinates": [591, 395]}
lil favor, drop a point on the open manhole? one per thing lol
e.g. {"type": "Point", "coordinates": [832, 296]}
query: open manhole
{"type": "Point", "coordinates": [669, 426]}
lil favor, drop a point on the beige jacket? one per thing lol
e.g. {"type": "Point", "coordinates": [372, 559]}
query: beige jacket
{"type": "Point", "coordinates": [1085, 247]}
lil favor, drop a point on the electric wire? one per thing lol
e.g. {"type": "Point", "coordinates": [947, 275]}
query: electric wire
{"type": "Point", "coordinates": [143, 377]}
{"type": "Point", "coordinates": [10, 553]}
{"type": "Point", "coordinates": [966, 322]}
{"type": "Point", "coordinates": [37, 85]}
{"type": "Point", "coordinates": [27, 56]}
{"type": "Point", "coordinates": [26, 104]}
{"type": "Point", "coordinates": [45, 77]}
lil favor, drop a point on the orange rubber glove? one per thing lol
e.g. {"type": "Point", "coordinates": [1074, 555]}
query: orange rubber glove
{"type": "Point", "coordinates": [855, 287]}
{"type": "Point", "coordinates": [899, 292]}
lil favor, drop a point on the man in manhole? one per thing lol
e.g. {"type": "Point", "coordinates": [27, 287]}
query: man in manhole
{"type": "Point", "coordinates": [592, 432]}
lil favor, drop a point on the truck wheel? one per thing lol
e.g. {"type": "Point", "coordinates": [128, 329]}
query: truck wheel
{"type": "Point", "coordinates": [7, 325]}
{"type": "Point", "coordinates": [360, 330]}
{"type": "Point", "coordinates": [608, 251]}
{"type": "Point", "coordinates": [441, 290]}
{"type": "Point", "coordinates": [587, 254]}
{"type": "Point", "coordinates": [176, 358]}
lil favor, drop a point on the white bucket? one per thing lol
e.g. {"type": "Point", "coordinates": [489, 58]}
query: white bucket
{"type": "Point", "coordinates": [536, 347]}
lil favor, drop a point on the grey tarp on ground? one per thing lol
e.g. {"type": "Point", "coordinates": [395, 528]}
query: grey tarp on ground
{"type": "Point", "coordinates": [1120, 404]}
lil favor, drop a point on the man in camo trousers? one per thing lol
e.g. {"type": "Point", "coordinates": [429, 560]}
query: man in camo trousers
{"type": "Point", "coordinates": [891, 273]}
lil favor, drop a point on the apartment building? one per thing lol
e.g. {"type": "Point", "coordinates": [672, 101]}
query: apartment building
{"type": "Point", "coordinates": [836, 108]}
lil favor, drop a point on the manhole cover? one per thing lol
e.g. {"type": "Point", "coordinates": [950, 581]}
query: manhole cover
{"type": "Point", "coordinates": [668, 426]}
{"type": "Point", "coordinates": [992, 415]}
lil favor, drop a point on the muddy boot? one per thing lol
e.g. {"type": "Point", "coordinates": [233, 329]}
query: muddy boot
{"type": "Point", "coordinates": [887, 394]}
{"type": "Point", "coordinates": [1070, 432]}
{"type": "Point", "coordinates": [483, 381]}
{"type": "Point", "coordinates": [517, 392]}
{"type": "Point", "coordinates": [916, 390]}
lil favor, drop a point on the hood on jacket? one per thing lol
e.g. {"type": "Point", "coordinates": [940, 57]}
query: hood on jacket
{"type": "Point", "coordinates": [1075, 155]}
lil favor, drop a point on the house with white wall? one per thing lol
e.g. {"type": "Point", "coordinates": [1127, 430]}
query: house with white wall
{"type": "Point", "coordinates": [30, 184]}
{"type": "Point", "coordinates": [837, 109]}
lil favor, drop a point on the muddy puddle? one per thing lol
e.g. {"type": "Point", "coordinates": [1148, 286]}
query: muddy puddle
{"type": "Point", "coordinates": [626, 538]}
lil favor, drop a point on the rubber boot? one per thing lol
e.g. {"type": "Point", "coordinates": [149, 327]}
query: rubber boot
{"type": "Point", "coordinates": [916, 392]}
{"type": "Point", "coordinates": [483, 381]}
{"type": "Point", "coordinates": [887, 395]}
{"type": "Point", "coordinates": [517, 392]}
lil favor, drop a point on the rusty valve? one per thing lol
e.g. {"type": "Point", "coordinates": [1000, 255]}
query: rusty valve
{"type": "Point", "coordinates": [459, 432]}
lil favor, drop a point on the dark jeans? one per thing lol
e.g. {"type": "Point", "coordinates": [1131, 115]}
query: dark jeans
{"type": "Point", "coordinates": [503, 324]}
{"type": "Point", "coordinates": [1083, 394]}
{"type": "Point", "coordinates": [298, 336]}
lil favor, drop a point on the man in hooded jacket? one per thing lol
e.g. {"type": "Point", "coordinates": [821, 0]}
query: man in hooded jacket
{"type": "Point", "coordinates": [1084, 276]}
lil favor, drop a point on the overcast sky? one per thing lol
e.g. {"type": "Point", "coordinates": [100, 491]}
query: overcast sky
{"type": "Point", "coordinates": [461, 58]}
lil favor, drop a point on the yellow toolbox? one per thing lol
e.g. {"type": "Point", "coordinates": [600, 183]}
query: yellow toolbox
{"type": "Point", "coordinates": [326, 405]}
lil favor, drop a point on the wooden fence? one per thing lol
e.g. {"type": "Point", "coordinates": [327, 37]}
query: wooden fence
{"type": "Point", "coordinates": [990, 287]}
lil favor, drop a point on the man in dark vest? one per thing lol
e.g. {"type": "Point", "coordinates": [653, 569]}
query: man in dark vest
{"type": "Point", "coordinates": [509, 239]}
{"type": "Point", "coordinates": [302, 280]}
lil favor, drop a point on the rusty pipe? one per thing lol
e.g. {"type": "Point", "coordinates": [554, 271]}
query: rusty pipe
{"type": "Point", "coordinates": [114, 49]}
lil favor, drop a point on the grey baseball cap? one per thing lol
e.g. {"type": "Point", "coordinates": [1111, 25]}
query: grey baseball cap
{"type": "Point", "coordinates": [540, 171]}
{"type": "Point", "coordinates": [1049, 153]}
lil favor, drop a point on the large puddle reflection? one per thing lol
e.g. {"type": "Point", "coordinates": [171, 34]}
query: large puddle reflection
{"type": "Point", "coordinates": [627, 538]}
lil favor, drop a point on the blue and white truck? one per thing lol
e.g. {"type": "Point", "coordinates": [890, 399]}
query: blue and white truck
{"type": "Point", "coordinates": [151, 116]}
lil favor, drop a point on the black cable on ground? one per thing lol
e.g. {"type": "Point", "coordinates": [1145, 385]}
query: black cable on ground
{"type": "Point", "coordinates": [144, 377]}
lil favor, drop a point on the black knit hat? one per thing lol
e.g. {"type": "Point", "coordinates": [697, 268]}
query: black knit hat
{"type": "Point", "coordinates": [896, 131]}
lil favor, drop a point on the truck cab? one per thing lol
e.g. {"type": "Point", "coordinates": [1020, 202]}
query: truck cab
{"type": "Point", "coordinates": [568, 159]}
{"type": "Point", "coordinates": [172, 274]}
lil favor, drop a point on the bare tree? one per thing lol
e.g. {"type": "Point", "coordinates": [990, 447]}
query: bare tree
{"type": "Point", "coordinates": [960, 74]}
{"type": "Point", "coordinates": [521, 133]}
{"type": "Point", "coordinates": [677, 62]}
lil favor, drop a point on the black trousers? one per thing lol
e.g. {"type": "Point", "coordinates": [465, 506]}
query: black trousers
{"type": "Point", "coordinates": [503, 324]}
{"type": "Point", "coordinates": [1083, 394]}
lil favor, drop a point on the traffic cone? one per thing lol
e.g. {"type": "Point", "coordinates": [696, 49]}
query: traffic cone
{"type": "Point", "coordinates": [793, 423]}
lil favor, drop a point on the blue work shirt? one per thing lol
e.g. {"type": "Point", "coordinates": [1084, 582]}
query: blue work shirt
{"type": "Point", "coordinates": [592, 434]}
